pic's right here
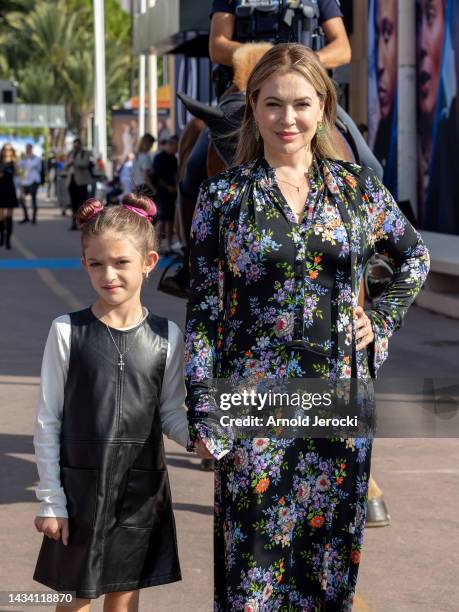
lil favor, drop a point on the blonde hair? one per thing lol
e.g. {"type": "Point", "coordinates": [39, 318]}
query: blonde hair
{"type": "Point", "coordinates": [281, 59]}
{"type": "Point", "coordinates": [13, 152]}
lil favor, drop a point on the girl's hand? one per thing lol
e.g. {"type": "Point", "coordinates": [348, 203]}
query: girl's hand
{"type": "Point", "coordinates": [54, 528]}
{"type": "Point", "coordinates": [363, 328]}
{"type": "Point", "coordinates": [201, 450]}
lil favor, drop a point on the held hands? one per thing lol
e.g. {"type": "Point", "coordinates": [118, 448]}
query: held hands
{"type": "Point", "coordinates": [53, 528]}
{"type": "Point", "coordinates": [201, 450]}
{"type": "Point", "coordinates": [363, 329]}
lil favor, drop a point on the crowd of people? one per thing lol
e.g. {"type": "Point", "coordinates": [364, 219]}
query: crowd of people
{"type": "Point", "coordinates": [154, 175]}
{"type": "Point", "coordinates": [19, 179]}
{"type": "Point", "coordinates": [71, 178]}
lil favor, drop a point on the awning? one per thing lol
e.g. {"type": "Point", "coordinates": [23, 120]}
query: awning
{"type": "Point", "coordinates": [174, 26]}
{"type": "Point", "coordinates": [164, 95]}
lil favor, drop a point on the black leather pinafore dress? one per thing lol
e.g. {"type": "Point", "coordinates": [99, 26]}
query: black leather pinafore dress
{"type": "Point", "coordinates": [113, 469]}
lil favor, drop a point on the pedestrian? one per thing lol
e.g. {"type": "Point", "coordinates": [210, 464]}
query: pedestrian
{"type": "Point", "coordinates": [62, 183]}
{"type": "Point", "coordinates": [80, 164]}
{"type": "Point", "coordinates": [51, 163]}
{"type": "Point", "coordinates": [31, 166]}
{"type": "Point", "coordinates": [8, 197]}
{"type": "Point", "coordinates": [111, 384]}
{"type": "Point", "coordinates": [165, 168]}
{"type": "Point", "coordinates": [141, 168]}
{"type": "Point", "coordinates": [125, 174]}
{"type": "Point", "coordinates": [278, 246]}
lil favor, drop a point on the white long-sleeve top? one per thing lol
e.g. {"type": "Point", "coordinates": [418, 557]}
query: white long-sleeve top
{"type": "Point", "coordinates": [31, 165]}
{"type": "Point", "coordinates": [51, 401]}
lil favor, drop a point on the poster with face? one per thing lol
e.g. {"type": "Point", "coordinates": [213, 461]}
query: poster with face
{"type": "Point", "coordinates": [382, 88]}
{"type": "Point", "coordinates": [438, 114]}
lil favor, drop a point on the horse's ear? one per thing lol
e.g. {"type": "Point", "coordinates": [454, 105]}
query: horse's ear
{"type": "Point", "coordinates": [200, 110]}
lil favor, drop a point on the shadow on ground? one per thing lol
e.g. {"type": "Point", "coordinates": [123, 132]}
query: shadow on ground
{"type": "Point", "coordinates": [197, 508]}
{"type": "Point", "coordinates": [18, 476]}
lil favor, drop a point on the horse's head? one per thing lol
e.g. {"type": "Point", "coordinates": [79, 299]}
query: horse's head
{"type": "Point", "coordinates": [223, 121]}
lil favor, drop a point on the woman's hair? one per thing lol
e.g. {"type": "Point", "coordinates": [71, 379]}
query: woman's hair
{"type": "Point", "coordinates": [282, 59]}
{"type": "Point", "coordinates": [95, 220]}
{"type": "Point", "coordinates": [145, 143]}
{"type": "Point", "coordinates": [13, 152]}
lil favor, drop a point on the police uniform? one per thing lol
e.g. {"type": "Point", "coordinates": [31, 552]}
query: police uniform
{"type": "Point", "coordinates": [328, 8]}
{"type": "Point", "coordinates": [266, 27]}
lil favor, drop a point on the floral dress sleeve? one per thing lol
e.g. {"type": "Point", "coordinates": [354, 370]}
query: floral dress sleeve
{"type": "Point", "coordinates": [393, 235]}
{"type": "Point", "coordinates": [203, 326]}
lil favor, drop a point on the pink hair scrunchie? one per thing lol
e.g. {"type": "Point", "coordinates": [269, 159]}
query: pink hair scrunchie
{"type": "Point", "coordinates": [96, 212]}
{"type": "Point", "coordinates": [138, 211]}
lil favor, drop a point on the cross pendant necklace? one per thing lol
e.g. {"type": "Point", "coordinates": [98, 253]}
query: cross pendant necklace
{"type": "Point", "coordinates": [121, 362]}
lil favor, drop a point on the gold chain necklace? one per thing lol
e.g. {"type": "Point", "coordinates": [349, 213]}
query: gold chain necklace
{"type": "Point", "coordinates": [306, 178]}
{"type": "Point", "coordinates": [292, 185]}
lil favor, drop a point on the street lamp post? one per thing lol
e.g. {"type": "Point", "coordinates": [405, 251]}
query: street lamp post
{"type": "Point", "coordinates": [153, 91]}
{"type": "Point", "coordinates": [142, 64]}
{"type": "Point", "coordinates": [100, 103]}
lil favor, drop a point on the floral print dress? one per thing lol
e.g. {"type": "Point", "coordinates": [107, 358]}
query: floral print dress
{"type": "Point", "coordinates": [289, 513]}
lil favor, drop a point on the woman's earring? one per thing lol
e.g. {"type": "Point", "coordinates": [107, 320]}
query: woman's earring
{"type": "Point", "coordinates": [257, 132]}
{"type": "Point", "coordinates": [146, 273]}
{"type": "Point", "coordinates": [320, 129]}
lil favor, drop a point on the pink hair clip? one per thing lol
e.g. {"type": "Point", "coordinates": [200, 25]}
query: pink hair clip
{"type": "Point", "coordinates": [139, 211]}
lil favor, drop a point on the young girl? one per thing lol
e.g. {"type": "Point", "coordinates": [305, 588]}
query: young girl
{"type": "Point", "coordinates": [112, 383]}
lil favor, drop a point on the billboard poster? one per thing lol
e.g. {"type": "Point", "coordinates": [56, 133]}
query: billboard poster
{"type": "Point", "coordinates": [383, 85]}
{"type": "Point", "coordinates": [438, 114]}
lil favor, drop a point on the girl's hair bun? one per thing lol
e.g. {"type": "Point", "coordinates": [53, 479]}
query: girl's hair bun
{"type": "Point", "coordinates": [87, 210]}
{"type": "Point", "coordinates": [143, 202]}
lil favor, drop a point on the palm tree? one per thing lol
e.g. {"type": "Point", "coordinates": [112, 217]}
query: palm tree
{"type": "Point", "coordinates": [56, 40]}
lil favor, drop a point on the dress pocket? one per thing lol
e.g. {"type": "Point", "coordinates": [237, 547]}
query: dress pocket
{"type": "Point", "coordinates": [80, 486]}
{"type": "Point", "coordinates": [145, 497]}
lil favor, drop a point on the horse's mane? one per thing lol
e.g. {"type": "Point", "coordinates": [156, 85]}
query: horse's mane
{"type": "Point", "coordinates": [244, 61]}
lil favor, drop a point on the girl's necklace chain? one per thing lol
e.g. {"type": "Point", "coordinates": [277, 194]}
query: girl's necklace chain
{"type": "Point", "coordinates": [121, 362]}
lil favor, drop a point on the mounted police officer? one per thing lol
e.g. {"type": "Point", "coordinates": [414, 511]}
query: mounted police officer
{"type": "Point", "coordinates": [235, 22]}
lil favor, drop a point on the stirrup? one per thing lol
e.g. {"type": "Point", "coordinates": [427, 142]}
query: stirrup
{"type": "Point", "coordinates": [377, 514]}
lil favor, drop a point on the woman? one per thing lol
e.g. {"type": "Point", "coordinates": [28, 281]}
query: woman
{"type": "Point", "coordinates": [80, 166]}
{"type": "Point", "coordinates": [385, 146]}
{"type": "Point", "coordinates": [431, 34]}
{"type": "Point", "coordinates": [8, 197]}
{"type": "Point", "coordinates": [279, 244]}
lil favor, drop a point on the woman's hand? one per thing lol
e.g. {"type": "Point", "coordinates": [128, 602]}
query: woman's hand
{"type": "Point", "coordinates": [53, 528]}
{"type": "Point", "coordinates": [363, 329]}
{"type": "Point", "coordinates": [201, 450]}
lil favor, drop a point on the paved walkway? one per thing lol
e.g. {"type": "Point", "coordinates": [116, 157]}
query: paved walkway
{"type": "Point", "coordinates": [408, 567]}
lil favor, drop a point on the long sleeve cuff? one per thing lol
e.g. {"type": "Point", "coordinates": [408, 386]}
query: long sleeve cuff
{"type": "Point", "coordinates": [204, 425]}
{"type": "Point", "coordinates": [378, 350]}
{"type": "Point", "coordinates": [53, 503]}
